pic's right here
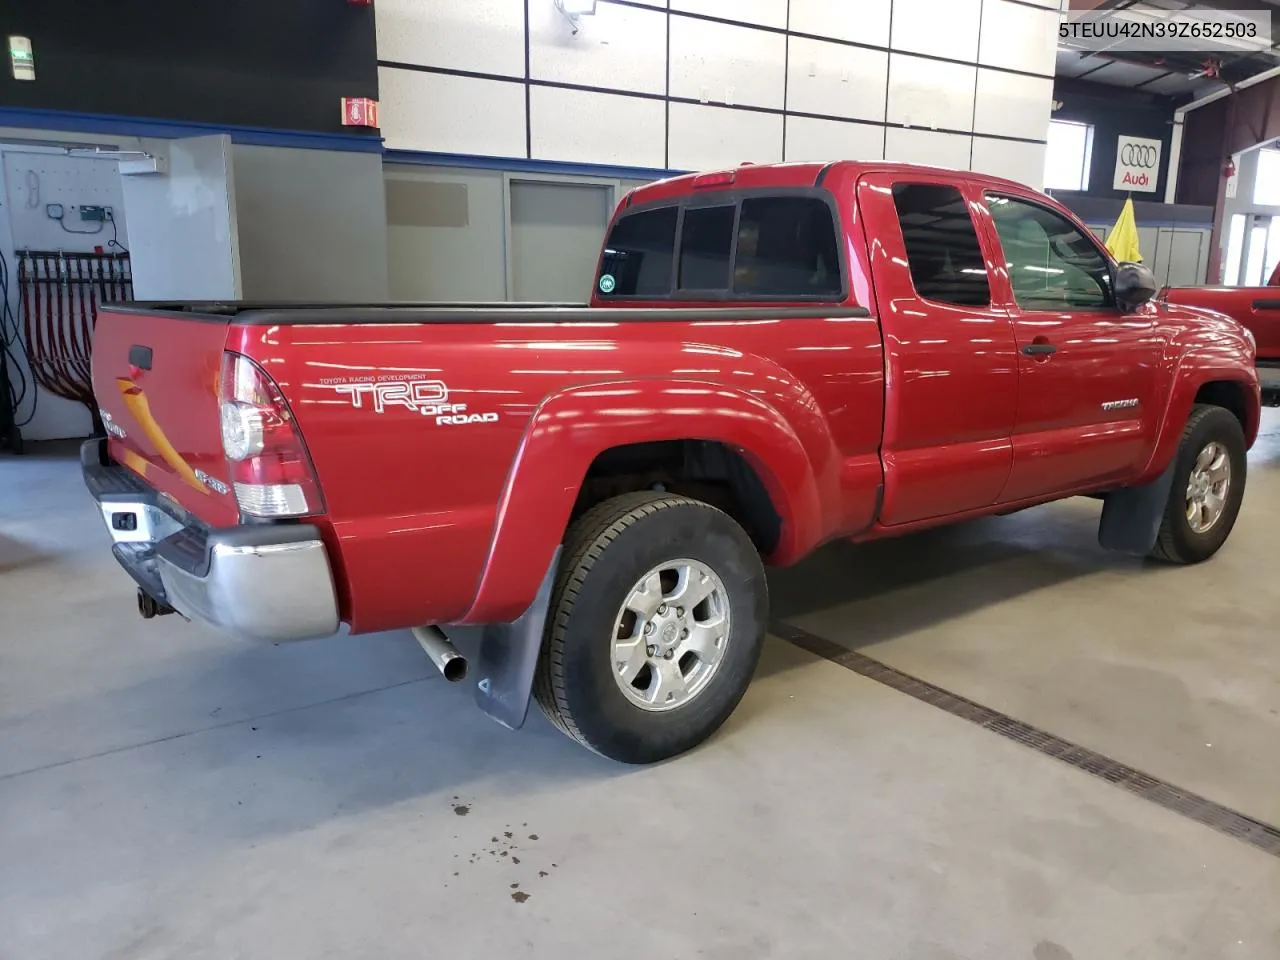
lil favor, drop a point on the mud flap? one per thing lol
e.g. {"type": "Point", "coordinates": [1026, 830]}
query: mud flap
{"type": "Point", "coordinates": [509, 657]}
{"type": "Point", "coordinates": [1131, 516]}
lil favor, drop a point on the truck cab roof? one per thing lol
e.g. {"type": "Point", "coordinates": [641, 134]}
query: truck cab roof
{"type": "Point", "coordinates": [766, 176]}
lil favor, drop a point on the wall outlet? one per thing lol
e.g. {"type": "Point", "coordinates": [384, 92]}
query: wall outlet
{"type": "Point", "coordinates": [93, 214]}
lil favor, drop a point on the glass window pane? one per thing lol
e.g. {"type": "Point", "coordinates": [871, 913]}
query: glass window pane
{"type": "Point", "coordinates": [1273, 249]}
{"type": "Point", "coordinates": [1052, 265]}
{"type": "Point", "coordinates": [1068, 155]}
{"type": "Point", "coordinates": [1257, 250]}
{"type": "Point", "coordinates": [637, 255]}
{"type": "Point", "coordinates": [706, 241]}
{"type": "Point", "coordinates": [1235, 250]}
{"type": "Point", "coordinates": [942, 246]}
{"type": "Point", "coordinates": [1266, 188]}
{"type": "Point", "coordinates": [786, 247]}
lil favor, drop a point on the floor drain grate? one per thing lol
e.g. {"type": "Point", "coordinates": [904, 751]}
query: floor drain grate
{"type": "Point", "coordinates": [1264, 836]}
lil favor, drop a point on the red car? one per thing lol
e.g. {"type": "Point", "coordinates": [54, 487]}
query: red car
{"type": "Point", "coordinates": [774, 357]}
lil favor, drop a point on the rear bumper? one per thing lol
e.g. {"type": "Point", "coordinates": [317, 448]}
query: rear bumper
{"type": "Point", "coordinates": [265, 581]}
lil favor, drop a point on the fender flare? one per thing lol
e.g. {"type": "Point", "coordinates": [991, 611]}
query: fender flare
{"type": "Point", "coordinates": [573, 427]}
{"type": "Point", "coordinates": [1192, 370]}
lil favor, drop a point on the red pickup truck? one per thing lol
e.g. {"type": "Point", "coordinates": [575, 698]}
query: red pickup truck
{"type": "Point", "coordinates": [1258, 308]}
{"type": "Point", "coordinates": [774, 357]}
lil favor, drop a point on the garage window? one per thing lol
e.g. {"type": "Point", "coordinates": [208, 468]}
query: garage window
{"type": "Point", "coordinates": [1068, 155]}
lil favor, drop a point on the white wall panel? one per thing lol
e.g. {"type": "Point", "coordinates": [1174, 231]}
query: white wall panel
{"type": "Point", "coordinates": [1019, 37]}
{"type": "Point", "coordinates": [826, 140]}
{"type": "Point", "coordinates": [837, 80]}
{"type": "Point", "coordinates": [924, 146]}
{"type": "Point", "coordinates": [579, 127]}
{"type": "Point", "coordinates": [708, 138]}
{"type": "Point", "coordinates": [449, 244]}
{"type": "Point", "coordinates": [443, 114]}
{"type": "Point", "coordinates": [620, 47]}
{"type": "Point", "coordinates": [829, 74]}
{"type": "Point", "coordinates": [943, 28]}
{"type": "Point", "coordinates": [928, 93]}
{"type": "Point", "coordinates": [483, 36]}
{"type": "Point", "coordinates": [862, 21]}
{"type": "Point", "coordinates": [769, 13]}
{"type": "Point", "coordinates": [1012, 105]}
{"type": "Point", "coordinates": [1023, 162]}
{"type": "Point", "coordinates": [726, 64]}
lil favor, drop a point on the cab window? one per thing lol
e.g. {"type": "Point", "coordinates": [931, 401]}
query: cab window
{"type": "Point", "coordinates": [1052, 264]}
{"type": "Point", "coordinates": [786, 247]}
{"type": "Point", "coordinates": [738, 247]}
{"type": "Point", "coordinates": [638, 255]}
{"type": "Point", "coordinates": [942, 246]}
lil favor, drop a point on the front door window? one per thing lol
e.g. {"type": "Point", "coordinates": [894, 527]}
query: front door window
{"type": "Point", "coordinates": [1052, 265]}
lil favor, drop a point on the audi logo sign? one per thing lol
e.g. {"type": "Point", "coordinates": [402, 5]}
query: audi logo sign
{"type": "Point", "coordinates": [1134, 155]}
{"type": "Point", "coordinates": [1137, 165]}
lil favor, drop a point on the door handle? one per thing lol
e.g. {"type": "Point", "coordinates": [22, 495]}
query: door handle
{"type": "Point", "coordinates": [140, 356]}
{"type": "Point", "coordinates": [1039, 349]}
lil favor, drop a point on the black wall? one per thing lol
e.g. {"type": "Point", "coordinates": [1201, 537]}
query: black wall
{"type": "Point", "coordinates": [279, 64]}
{"type": "Point", "coordinates": [1114, 112]}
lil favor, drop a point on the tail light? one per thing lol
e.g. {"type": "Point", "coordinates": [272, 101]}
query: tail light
{"type": "Point", "coordinates": [723, 178]}
{"type": "Point", "coordinates": [270, 470]}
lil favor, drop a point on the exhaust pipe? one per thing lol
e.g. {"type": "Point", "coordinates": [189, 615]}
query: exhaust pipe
{"type": "Point", "coordinates": [149, 607]}
{"type": "Point", "coordinates": [451, 664]}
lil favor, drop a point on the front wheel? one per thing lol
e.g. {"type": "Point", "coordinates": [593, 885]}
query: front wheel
{"type": "Point", "coordinates": [1207, 490]}
{"type": "Point", "coordinates": [657, 619]}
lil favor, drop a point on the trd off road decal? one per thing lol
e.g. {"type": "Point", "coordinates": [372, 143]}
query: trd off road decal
{"type": "Point", "coordinates": [430, 398]}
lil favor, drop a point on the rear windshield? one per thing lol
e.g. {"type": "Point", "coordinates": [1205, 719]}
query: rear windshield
{"type": "Point", "coordinates": [745, 248]}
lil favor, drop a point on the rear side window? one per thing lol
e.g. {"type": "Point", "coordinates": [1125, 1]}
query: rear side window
{"type": "Point", "coordinates": [942, 245]}
{"type": "Point", "coordinates": [638, 256]}
{"type": "Point", "coordinates": [706, 244]}
{"type": "Point", "coordinates": [750, 247]}
{"type": "Point", "coordinates": [786, 247]}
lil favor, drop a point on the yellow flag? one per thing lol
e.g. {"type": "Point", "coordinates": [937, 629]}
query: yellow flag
{"type": "Point", "coordinates": [1122, 241]}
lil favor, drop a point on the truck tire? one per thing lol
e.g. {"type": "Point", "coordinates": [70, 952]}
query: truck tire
{"type": "Point", "coordinates": [1207, 490]}
{"type": "Point", "coordinates": [626, 668]}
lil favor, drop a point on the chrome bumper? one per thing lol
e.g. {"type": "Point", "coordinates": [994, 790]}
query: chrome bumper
{"type": "Point", "coordinates": [265, 581]}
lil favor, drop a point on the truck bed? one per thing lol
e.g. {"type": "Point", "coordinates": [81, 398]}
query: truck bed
{"type": "Point", "coordinates": [250, 313]}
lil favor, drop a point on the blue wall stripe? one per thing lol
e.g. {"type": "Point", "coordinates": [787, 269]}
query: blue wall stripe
{"type": "Point", "coordinates": [124, 126]}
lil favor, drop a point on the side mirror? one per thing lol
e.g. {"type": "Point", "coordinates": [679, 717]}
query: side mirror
{"type": "Point", "coordinates": [1134, 285]}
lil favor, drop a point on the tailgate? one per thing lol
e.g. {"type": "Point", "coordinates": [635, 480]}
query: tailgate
{"type": "Point", "coordinates": [155, 378]}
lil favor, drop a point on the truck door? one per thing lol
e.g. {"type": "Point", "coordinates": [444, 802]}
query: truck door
{"type": "Point", "coordinates": [1086, 406]}
{"type": "Point", "coordinates": [950, 358]}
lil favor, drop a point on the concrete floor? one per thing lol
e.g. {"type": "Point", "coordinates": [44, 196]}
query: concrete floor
{"type": "Point", "coordinates": [168, 793]}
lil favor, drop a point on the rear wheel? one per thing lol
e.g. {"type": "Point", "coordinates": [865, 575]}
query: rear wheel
{"type": "Point", "coordinates": [1207, 490]}
{"type": "Point", "coordinates": [655, 628]}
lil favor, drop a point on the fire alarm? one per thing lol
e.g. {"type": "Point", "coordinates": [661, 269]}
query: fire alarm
{"type": "Point", "coordinates": [359, 112]}
{"type": "Point", "coordinates": [361, 3]}
{"type": "Point", "coordinates": [1229, 170]}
